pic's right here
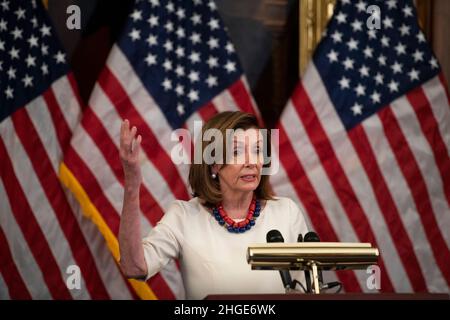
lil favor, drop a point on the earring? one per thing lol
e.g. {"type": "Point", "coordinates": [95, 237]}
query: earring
{"type": "Point", "coordinates": [213, 175]}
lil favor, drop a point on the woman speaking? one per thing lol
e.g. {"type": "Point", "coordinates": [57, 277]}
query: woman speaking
{"type": "Point", "coordinates": [209, 234]}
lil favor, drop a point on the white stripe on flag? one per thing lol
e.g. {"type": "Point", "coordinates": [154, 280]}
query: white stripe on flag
{"type": "Point", "coordinates": [65, 96]}
{"type": "Point", "coordinates": [253, 102]}
{"type": "Point", "coordinates": [405, 203]}
{"type": "Point", "coordinates": [4, 294]}
{"type": "Point", "coordinates": [39, 115]}
{"type": "Point", "coordinates": [423, 154]}
{"type": "Point", "coordinates": [43, 123]}
{"type": "Point", "coordinates": [225, 102]}
{"type": "Point", "coordinates": [281, 186]}
{"type": "Point", "coordinates": [435, 93]}
{"type": "Point", "coordinates": [99, 168]}
{"type": "Point", "coordinates": [113, 190]}
{"type": "Point", "coordinates": [108, 269]}
{"type": "Point", "coordinates": [307, 156]}
{"type": "Point", "coordinates": [144, 103]}
{"type": "Point", "coordinates": [43, 211]}
{"type": "Point", "coordinates": [28, 269]}
{"type": "Point", "coordinates": [173, 279]}
{"type": "Point", "coordinates": [354, 170]}
{"type": "Point", "coordinates": [151, 176]}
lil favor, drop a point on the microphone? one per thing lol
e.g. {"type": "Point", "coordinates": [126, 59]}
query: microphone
{"type": "Point", "coordinates": [275, 236]}
{"type": "Point", "coordinates": [313, 237]}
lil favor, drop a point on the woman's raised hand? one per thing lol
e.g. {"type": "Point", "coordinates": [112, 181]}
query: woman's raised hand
{"type": "Point", "coordinates": [132, 260]}
{"type": "Point", "coordinates": [130, 146]}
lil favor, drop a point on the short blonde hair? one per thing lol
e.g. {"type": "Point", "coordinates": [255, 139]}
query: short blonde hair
{"type": "Point", "coordinates": [202, 184]}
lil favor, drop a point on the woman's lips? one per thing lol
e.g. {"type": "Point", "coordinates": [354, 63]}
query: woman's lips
{"type": "Point", "coordinates": [248, 178]}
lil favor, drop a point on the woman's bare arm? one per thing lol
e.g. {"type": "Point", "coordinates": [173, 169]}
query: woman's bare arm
{"type": "Point", "coordinates": [132, 259]}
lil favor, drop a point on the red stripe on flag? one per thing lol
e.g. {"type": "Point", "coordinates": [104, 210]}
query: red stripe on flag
{"type": "Point", "coordinates": [102, 204]}
{"type": "Point", "coordinates": [430, 129]}
{"type": "Point", "coordinates": [76, 92]}
{"type": "Point", "coordinates": [149, 207]}
{"type": "Point", "coordinates": [207, 112]}
{"type": "Point", "coordinates": [57, 199]}
{"type": "Point", "coordinates": [93, 189]}
{"type": "Point", "coordinates": [336, 174]}
{"type": "Point", "coordinates": [31, 229]}
{"type": "Point", "coordinates": [416, 183]}
{"type": "Point", "coordinates": [78, 168]}
{"type": "Point", "coordinates": [306, 193]}
{"type": "Point", "coordinates": [160, 287]}
{"type": "Point", "coordinates": [94, 127]}
{"type": "Point", "coordinates": [150, 143]}
{"type": "Point", "coordinates": [16, 286]}
{"type": "Point", "coordinates": [388, 208]}
{"type": "Point", "coordinates": [241, 96]}
{"type": "Point", "coordinates": [63, 131]}
{"type": "Point", "coordinates": [243, 99]}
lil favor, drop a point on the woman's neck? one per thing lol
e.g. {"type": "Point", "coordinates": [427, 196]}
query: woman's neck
{"type": "Point", "coordinates": [236, 205]}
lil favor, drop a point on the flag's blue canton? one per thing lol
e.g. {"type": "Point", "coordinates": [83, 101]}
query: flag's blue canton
{"type": "Point", "coordinates": [30, 55]}
{"type": "Point", "coordinates": [365, 70]}
{"type": "Point", "coordinates": [181, 52]}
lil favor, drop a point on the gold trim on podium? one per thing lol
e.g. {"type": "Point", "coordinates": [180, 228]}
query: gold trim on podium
{"type": "Point", "coordinates": [313, 256]}
{"type": "Point", "coordinates": [300, 256]}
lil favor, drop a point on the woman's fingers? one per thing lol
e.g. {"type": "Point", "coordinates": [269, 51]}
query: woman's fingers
{"type": "Point", "coordinates": [132, 133]}
{"type": "Point", "coordinates": [136, 145]}
{"type": "Point", "coordinates": [124, 128]}
{"type": "Point", "coordinates": [129, 143]}
{"type": "Point", "coordinates": [126, 135]}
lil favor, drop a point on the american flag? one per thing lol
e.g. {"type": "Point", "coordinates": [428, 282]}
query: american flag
{"type": "Point", "coordinates": [172, 65]}
{"type": "Point", "coordinates": [364, 144]}
{"type": "Point", "coordinates": [42, 231]}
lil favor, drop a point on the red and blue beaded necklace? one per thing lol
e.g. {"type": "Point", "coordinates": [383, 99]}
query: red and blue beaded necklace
{"type": "Point", "coordinates": [238, 227]}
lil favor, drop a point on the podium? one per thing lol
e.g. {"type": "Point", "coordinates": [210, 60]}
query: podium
{"type": "Point", "coordinates": [311, 257]}
{"type": "Point", "coordinates": [329, 296]}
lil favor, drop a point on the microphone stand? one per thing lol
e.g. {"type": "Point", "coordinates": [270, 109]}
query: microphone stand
{"type": "Point", "coordinates": [315, 275]}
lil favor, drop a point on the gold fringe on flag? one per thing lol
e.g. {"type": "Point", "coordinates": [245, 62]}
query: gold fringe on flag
{"type": "Point", "coordinates": [142, 289]}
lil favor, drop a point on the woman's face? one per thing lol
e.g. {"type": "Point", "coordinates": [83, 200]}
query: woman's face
{"type": "Point", "coordinates": [242, 173]}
